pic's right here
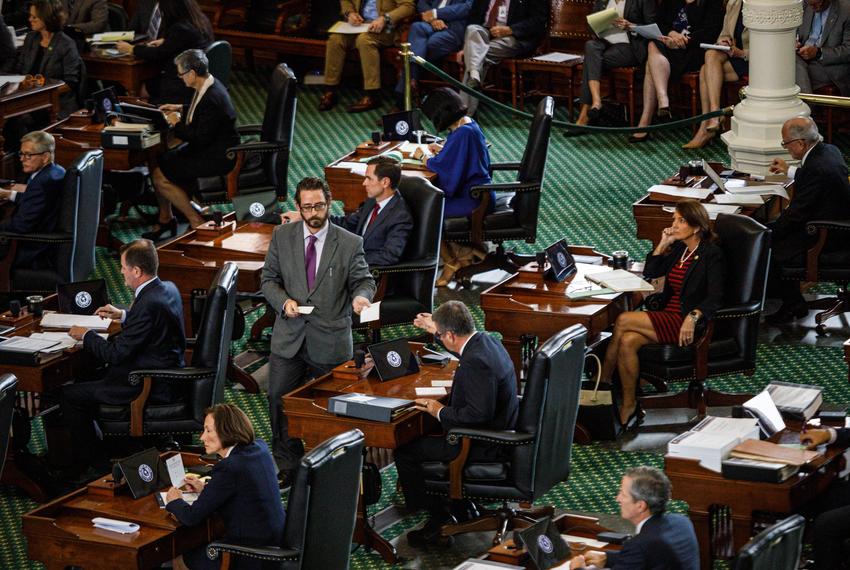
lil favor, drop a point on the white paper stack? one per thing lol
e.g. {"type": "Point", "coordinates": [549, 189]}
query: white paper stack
{"type": "Point", "coordinates": [557, 57]}
{"type": "Point", "coordinates": [709, 448]}
{"type": "Point", "coordinates": [680, 193]}
{"type": "Point", "coordinates": [714, 209]}
{"type": "Point", "coordinates": [762, 407]}
{"type": "Point", "coordinates": [744, 428]}
{"type": "Point", "coordinates": [66, 321]}
{"type": "Point", "coordinates": [621, 280]}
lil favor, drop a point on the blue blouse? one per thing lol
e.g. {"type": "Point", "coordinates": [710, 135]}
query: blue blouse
{"type": "Point", "coordinates": [463, 163]}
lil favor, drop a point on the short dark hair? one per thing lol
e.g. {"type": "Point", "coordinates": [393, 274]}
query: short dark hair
{"type": "Point", "coordinates": [141, 253]}
{"type": "Point", "coordinates": [51, 12]}
{"type": "Point", "coordinates": [697, 217]}
{"type": "Point", "coordinates": [650, 485]}
{"type": "Point", "coordinates": [231, 424]}
{"type": "Point", "coordinates": [454, 316]}
{"type": "Point", "coordinates": [386, 167]}
{"type": "Point", "coordinates": [312, 183]}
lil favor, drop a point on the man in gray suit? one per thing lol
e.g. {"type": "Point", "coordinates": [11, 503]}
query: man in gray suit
{"type": "Point", "coordinates": [314, 266]}
{"type": "Point", "coordinates": [823, 46]}
{"type": "Point", "coordinates": [88, 16]}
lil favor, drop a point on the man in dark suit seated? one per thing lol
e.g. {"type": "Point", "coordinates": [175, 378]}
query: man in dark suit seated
{"type": "Point", "coordinates": [484, 395]}
{"type": "Point", "coordinates": [821, 192]}
{"type": "Point", "coordinates": [832, 525]}
{"type": "Point", "coordinates": [383, 220]}
{"type": "Point", "coordinates": [662, 541]}
{"type": "Point", "coordinates": [151, 338]}
{"type": "Point", "coordinates": [37, 208]}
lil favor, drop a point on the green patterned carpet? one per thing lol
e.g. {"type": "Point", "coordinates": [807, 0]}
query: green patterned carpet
{"type": "Point", "coordinates": [590, 184]}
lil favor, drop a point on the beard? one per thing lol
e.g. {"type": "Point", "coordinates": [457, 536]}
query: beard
{"type": "Point", "coordinates": [317, 220]}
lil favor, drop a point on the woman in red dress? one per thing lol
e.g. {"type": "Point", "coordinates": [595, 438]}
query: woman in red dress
{"type": "Point", "coordinates": [693, 289]}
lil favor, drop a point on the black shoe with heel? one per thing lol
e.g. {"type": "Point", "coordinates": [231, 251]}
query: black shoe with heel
{"type": "Point", "coordinates": [163, 229]}
{"type": "Point", "coordinates": [634, 420]}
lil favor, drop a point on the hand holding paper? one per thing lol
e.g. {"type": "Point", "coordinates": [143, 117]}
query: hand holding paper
{"type": "Point", "coordinates": [371, 313]}
{"type": "Point", "coordinates": [599, 22]}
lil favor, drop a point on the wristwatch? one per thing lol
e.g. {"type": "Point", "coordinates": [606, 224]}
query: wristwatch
{"type": "Point", "coordinates": [694, 316]}
{"type": "Point", "coordinates": [389, 22]}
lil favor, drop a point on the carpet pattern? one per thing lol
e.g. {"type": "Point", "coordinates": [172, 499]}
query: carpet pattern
{"type": "Point", "coordinates": [590, 184]}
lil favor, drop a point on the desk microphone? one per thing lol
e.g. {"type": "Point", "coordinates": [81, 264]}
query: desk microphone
{"type": "Point", "coordinates": [359, 358]}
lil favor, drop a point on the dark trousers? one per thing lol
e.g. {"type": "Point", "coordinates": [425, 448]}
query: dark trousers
{"type": "Point", "coordinates": [786, 251]}
{"type": "Point", "coordinates": [832, 528]}
{"type": "Point", "coordinates": [285, 375]}
{"type": "Point", "coordinates": [600, 55]}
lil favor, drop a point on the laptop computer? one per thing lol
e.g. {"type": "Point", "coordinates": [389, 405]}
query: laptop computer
{"type": "Point", "coordinates": [260, 207]}
{"type": "Point", "coordinates": [82, 297]}
{"type": "Point", "coordinates": [144, 472]}
{"type": "Point", "coordinates": [544, 544]}
{"type": "Point", "coordinates": [561, 262]}
{"type": "Point", "coordinates": [105, 102]}
{"type": "Point", "coordinates": [393, 359]}
{"type": "Point", "coordinates": [401, 126]}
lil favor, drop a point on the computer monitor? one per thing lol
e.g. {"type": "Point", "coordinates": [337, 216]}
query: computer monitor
{"type": "Point", "coordinates": [561, 261]}
{"type": "Point", "coordinates": [82, 297]}
{"type": "Point", "coordinates": [144, 472]}
{"type": "Point", "coordinates": [401, 126]}
{"type": "Point", "coordinates": [105, 102]}
{"type": "Point", "coordinates": [393, 359]}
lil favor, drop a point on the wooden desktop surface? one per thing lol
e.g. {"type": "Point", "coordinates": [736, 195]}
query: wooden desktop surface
{"type": "Point", "coordinates": [60, 533]}
{"type": "Point", "coordinates": [348, 187]}
{"type": "Point", "coordinates": [704, 490]}
{"type": "Point", "coordinates": [128, 71]}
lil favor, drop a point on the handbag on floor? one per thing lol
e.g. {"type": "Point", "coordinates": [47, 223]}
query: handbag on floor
{"type": "Point", "coordinates": [596, 411]}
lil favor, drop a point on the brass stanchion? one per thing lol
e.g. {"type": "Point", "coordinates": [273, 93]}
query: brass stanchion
{"type": "Point", "coordinates": [405, 58]}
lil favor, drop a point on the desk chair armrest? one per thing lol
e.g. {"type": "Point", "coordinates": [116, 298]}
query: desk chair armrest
{"type": "Point", "coordinates": [403, 267]}
{"type": "Point", "coordinates": [272, 553]}
{"type": "Point", "coordinates": [504, 166]}
{"type": "Point", "coordinates": [483, 189]}
{"type": "Point", "coordinates": [813, 226]}
{"type": "Point", "coordinates": [171, 374]}
{"type": "Point", "coordinates": [489, 436]}
{"type": "Point", "coordinates": [54, 237]}
{"type": "Point", "coordinates": [258, 147]}
{"type": "Point", "coordinates": [821, 229]}
{"type": "Point", "coordinates": [248, 130]}
{"type": "Point", "coordinates": [738, 311]}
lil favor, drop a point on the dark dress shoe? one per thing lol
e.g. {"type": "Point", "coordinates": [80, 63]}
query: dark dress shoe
{"type": "Point", "coordinates": [286, 478]}
{"type": "Point", "coordinates": [593, 115]}
{"type": "Point", "coordinates": [636, 139]}
{"type": "Point", "coordinates": [430, 533]}
{"type": "Point", "coordinates": [367, 103]}
{"type": "Point", "coordinates": [328, 101]}
{"type": "Point", "coordinates": [663, 115]}
{"type": "Point", "coordinates": [786, 314]}
{"type": "Point", "coordinates": [161, 231]}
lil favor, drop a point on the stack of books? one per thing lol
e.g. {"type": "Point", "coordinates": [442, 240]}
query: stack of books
{"type": "Point", "coordinates": [799, 401]}
{"type": "Point", "coordinates": [712, 440]}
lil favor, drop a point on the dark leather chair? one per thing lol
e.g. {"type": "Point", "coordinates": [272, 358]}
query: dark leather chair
{"type": "Point", "coordinates": [117, 17]}
{"type": "Point", "coordinates": [8, 392]}
{"type": "Point", "coordinates": [407, 288]}
{"type": "Point", "coordinates": [537, 452]}
{"type": "Point", "coordinates": [203, 380]}
{"type": "Point", "coordinates": [728, 345]}
{"type": "Point", "coordinates": [777, 547]}
{"type": "Point", "coordinates": [320, 513]}
{"type": "Point", "coordinates": [827, 260]}
{"type": "Point", "coordinates": [519, 220]}
{"type": "Point", "coordinates": [71, 255]}
{"type": "Point", "coordinates": [220, 56]}
{"type": "Point", "coordinates": [261, 165]}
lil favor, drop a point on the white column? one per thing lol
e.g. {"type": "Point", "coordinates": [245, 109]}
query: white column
{"type": "Point", "coordinates": [771, 99]}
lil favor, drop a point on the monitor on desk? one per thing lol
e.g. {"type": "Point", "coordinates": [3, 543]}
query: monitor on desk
{"type": "Point", "coordinates": [144, 472]}
{"type": "Point", "coordinates": [152, 114]}
{"type": "Point", "coordinates": [393, 359]}
{"type": "Point", "coordinates": [82, 297]}
{"type": "Point", "coordinates": [105, 103]}
{"type": "Point", "coordinates": [401, 126]}
{"type": "Point", "coordinates": [561, 262]}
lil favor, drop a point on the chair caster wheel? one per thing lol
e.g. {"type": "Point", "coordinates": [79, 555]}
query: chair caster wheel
{"type": "Point", "coordinates": [820, 330]}
{"type": "Point", "coordinates": [466, 282]}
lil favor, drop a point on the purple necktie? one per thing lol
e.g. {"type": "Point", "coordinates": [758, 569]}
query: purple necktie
{"type": "Point", "coordinates": [310, 261]}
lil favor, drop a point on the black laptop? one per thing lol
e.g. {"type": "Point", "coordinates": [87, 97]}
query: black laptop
{"type": "Point", "coordinates": [145, 472]}
{"type": "Point", "coordinates": [259, 207]}
{"type": "Point", "coordinates": [82, 297]}
{"type": "Point", "coordinates": [561, 262]}
{"type": "Point", "coordinates": [544, 544]}
{"type": "Point", "coordinates": [401, 126]}
{"type": "Point", "coordinates": [105, 103]}
{"type": "Point", "coordinates": [393, 359]}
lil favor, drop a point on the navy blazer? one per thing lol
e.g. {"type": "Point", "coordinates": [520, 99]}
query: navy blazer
{"type": "Point", "coordinates": [151, 338]}
{"type": "Point", "coordinates": [386, 238]}
{"type": "Point", "coordinates": [526, 18]}
{"type": "Point", "coordinates": [213, 128]}
{"type": "Point", "coordinates": [454, 13]}
{"type": "Point", "coordinates": [843, 438]}
{"type": "Point", "coordinates": [243, 490]}
{"type": "Point", "coordinates": [484, 389]}
{"type": "Point", "coordinates": [703, 285]}
{"type": "Point", "coordinates": [665, 542]}
{"type": "Point", "coordinates": [36, 211]}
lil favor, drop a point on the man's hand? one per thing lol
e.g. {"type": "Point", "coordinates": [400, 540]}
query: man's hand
{"type": "Point", "coordinates": [292, 216]}
{"type": "Point", "coordinates": [815, 437]}
{"type": "Point", "coordinates": [366, 369]}
{"type": "Point", "coordinates": [359, 303]}
{"type": "Point", "coordinates": [170, 107]}
{"type": "Point", "coordinates": [724, 42]}
{"type": "Point", "coordinates": [376, 26]}
{"type": "Point", "coordinates": [438, 25]}
{"type": "Point", "coordinates": [173, 118]}
{"type": "Point", "coordinates": [354, 18]}
{"type": "Point", "coordinates": [595, 557]}
{"type": "Point", "coordinates": [577, 562]}
{"type": "Point", "coordinates": [173, 494]}
{"type": "Point", "coordinates": [501, 32]}
{"type": "Point", "coordinates": [808, 53]}
{"type": "Point", "coordinates": [290, 309]}
{"type": "Point", "coordinates": [435, 148]}
{"type": "Point", "coordinates": [124, 47]}
{"type": "Point", "coordinates": [427, 405]}
{"type": "Point", "coordinates": [5, 194]}
{"type": "Point", "coordinates": [109, 312]}
{"type": "Point", "coordinates": [424, 322]}
{"type": "Point", "coordinates": [778, 166]}
{"type": "Point", "coordinates": [156, 43]}
{"type": "Point", "coordinates": [686, 332]}
{"type": "Point", "coordinates": [77, 333]}
{"type": "Point", "coordinates": [428, 16]}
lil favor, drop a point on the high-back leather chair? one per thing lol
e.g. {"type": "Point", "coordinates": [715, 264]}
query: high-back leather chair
{"type": "Point", "coordinates": [71, 251]}
{"type": "Point", "coordinates": [729, 343]}
{"type": "Point", "coordinates": [538, 451]}
{"type": "Point", "coordinates": [519, 220]}
{"type": "Point", "coordinates": [203, 380]}
{"type": "Point", "coordinates": [407, 288]}
{"type": "Point", "coordinates": [8, 391]}
{"type": "Point", "coordinates": [777, 547]}
{"type": "Point", "coordinates": [117, 17]}
{"type": "Point", "coordinates": [320, 513]}
{"type": "Point", "coordinates": [220, 56]}
{"type": "Point", "coordinates": [261, 165]}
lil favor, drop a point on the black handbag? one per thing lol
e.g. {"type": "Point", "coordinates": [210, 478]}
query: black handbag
{"type": "Point", "coordinates": [597, 412]}
{"type": "Point", "coordinates": [371, 483]}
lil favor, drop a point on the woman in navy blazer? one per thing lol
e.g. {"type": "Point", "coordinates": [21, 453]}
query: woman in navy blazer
{"type": "Point", "coordinates": [242, 489]}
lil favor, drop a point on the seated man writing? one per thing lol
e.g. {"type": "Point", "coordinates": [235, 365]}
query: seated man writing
{"type": "Point", "coordinates": [35, 209]}
{"type": "Point", "coordinates": [383, 220]}
{"type": "Point", "coordinates": [151, 338]}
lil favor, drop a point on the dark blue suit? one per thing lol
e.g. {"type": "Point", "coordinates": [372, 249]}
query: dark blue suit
{"type": "Point", "coordinates": [385, 238]}
{"type": "Point", "coordinates": [483, 396]}
{"type": "Point", "coordinates": [665, 542]}
{"type": "Point", "coordinates": [832, 525]}
{"type": "Point", "coordinates": [36, 211]}
{"type": "Point", "coordinates": [243, 490]}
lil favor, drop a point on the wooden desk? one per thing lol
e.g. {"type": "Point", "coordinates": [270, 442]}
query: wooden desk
{"type": "Point", "coordinates": [348, 187]}
{"type": "Point", "coordinates": [16, 101]}
{"type": "Point", "coordinates": [60, 533]}
{"type": "Point", "coordinates": [651, 218]}
{"type": "Point", "coordinates": [567, 70]}
{"type": "Point", "coordinates": [128, 71]}
{"type": "Point", "coordinates": [306, 412]}
{"type": "Point", "coordinates": [706, 491]}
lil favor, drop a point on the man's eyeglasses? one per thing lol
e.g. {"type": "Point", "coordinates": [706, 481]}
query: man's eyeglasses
{"type": "Point", "coordinates": [30, 154]}
{"type": "Point", "coordinates": [313, 207]}
{"type": "Point", "coordinates": [786, 143]}
{"type": "Point", "coordinates": [184, 73]}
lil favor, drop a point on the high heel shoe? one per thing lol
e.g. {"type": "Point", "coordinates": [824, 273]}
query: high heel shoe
{"type": "Point", "coordinates": [168, 228]}
{"type": "Point", "coordinates": [636, 418]}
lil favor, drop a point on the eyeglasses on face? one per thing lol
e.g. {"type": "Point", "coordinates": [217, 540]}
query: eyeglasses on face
{"type": "Point", "coordinates": [317, 207]}
{"type": "Point", "coordinates": [29, 155]}
{"type": "Point", "coordinates": [786, 143]}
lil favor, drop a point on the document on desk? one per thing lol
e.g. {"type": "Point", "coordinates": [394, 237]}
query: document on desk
{"type": "Point", "coordinates": [557, 57]}
{"type": "Point", "coordinates": [740, 199]}
{"type": "Point", "coordinates": [371, 313]}
{"type": "Point", "coordinates": [346, 28]}
{"type": "Point", "coordinates": [675, 193]}
{"type": "Point", "coordinates": [176, 471]}
{"type": "Point", "coordinates": [430, 391]}
{"type": "Point", "coordinates": [358, 168]}
{"type": "Point", "coordinates": [648, 31]}
{"type": "Point", "coordinates": [408, 147]}
{"type": "Point", "coordinates": [11, 78]}
{"type": "Point", "coordinates": [761, 189]}
{"type": "Point", "coordinates": [763, 407]}
{"type": "Point", "coordinates": [67, 320]}
{"type": "Point", "coordinates": [27, 344]}
{"type": "Point", "coordinates": [188, 497]}
{"type": "Point", "coordinates": [621, 280]}
{"type": "Point", "coordinates": [713, 209]}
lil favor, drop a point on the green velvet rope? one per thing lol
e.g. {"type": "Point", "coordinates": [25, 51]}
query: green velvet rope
{"type": "Point", "coordinates": [567, 125]}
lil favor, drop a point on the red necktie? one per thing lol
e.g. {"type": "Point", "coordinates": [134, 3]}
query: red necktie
{"type": "Point", "coordinates": [493, 16]}
{"type": "Point", "coordinates": [374, 215]}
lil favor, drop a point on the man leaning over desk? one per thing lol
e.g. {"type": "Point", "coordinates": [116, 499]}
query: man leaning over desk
{"type": "Point", "coordinates": [315, 274]}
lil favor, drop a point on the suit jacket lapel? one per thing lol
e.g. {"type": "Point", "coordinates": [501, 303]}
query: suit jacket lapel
{"type": "Point", "coordinates": [328, 252]}
{"type": "Point", "coordinates": [368, 206]}
{"type": "Point", "coordinates": [700, 250]}
{"type": "Point", "coordinates": [830, 21]}
{"type": "Point", "coordinates": [383, 215]}
{"type": "Point", "coordinates": [806, 26]}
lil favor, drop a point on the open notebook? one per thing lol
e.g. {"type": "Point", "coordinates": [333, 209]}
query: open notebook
{"type": "Point", "coordinates": [620, 280]}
